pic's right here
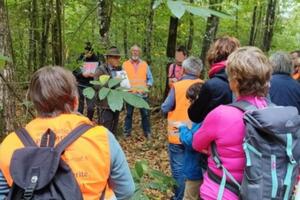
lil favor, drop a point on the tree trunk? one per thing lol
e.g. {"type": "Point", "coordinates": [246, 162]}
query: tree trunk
{"type": "Point", "coordinates": [211, 30]}
{"type": "Point", "coordinates": [33, 37]}
{"type": "Point", "coordinates": [57, 40]}
{"type": "Point", "coordinates": [253, 27]}
{"type": "Point", "coordinates": [7, 103]}
{"type": "Point", "coordinates": [269, 25]}
{"type": "Point", "coordinates": [149, 31]}
{"type": "Point", "coordinates": [104, 14]}
{"type": "Point", "coordinates": [171, 46]}
{"type": "Point", "coordinates": [46, 16]}
{"type": "Point", "coordinates": [191, 31]}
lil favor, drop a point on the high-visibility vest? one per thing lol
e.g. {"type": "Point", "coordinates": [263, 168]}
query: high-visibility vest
{"type": "Point", "coordinates": [137, 76]}
{"type": "Point", "coordinates": [88, 157]}
{"type": "Point", "coordinates": [180, 113]}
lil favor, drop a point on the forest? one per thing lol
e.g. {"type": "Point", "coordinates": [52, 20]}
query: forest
{"type": "Point", "coordinates": [36, 33]}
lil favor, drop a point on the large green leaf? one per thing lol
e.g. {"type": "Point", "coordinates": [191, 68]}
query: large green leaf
{"type": "Point", "coordinates": [135, 100]}
{"type": "Point", "coordinates": [177, 8]}
{"type": "Point", "coordinates": [95, 82]}
{"type": "Point", "coordinates": [104, 78]}
{"type": "Point", "coordinates": [218, 13]}
{"type": "Point", "coordinates": [89, 92]}
{"type": "Point", "coordinates": [113, 82]}
{"type": "Point", "coordinates": [198, 11]}
{"type": "Point", "coordinates": [103, 93]}
{"type": "Point", "coordinates": [115, 100]}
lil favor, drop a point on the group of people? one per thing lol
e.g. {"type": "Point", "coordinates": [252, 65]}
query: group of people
{"type": "Point", "coordinates": [139, 76]}
{"type": "Point", "coordinates": [198, 113]}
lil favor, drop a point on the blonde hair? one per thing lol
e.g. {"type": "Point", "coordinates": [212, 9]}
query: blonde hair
{"type": "Point", "coordinates": [251, 69]}
{"type": "Point", "coordinates": [53, 91]}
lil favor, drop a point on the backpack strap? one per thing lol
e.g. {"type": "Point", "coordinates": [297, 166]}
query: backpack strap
{"type": "Point", "coordinates": [72, 136]}
{"type": "Point", "coordinates": [25, 138]}
{"type": "Point", "coordinates": [173, 70]}
{"type": "Point", "coordinates": [226, 173]}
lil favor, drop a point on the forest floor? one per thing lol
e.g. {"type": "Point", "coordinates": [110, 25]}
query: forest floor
{"type": "Point", "coordinates": [154, 151]}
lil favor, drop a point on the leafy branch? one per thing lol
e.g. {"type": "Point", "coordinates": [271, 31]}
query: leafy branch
{"type": "Point", "coordinates": [116, 96]}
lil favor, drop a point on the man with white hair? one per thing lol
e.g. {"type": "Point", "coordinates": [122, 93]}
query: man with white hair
{"type": "Point", "coordinates": [176, 105]}
{"type": "Point", "coordinates": [284, 91]}
{"type": "Point", "coordinates": [140, 78]}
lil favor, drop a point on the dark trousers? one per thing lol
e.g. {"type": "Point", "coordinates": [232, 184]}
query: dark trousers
{"type": "Point", "coordinates": [90, 104]}
{"type": "Point", "coordinates": [109, 119]}
{"type": "Point", "coordinates": [145, 115]}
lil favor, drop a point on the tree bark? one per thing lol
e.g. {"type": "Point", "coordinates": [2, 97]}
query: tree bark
{"type": "Point", "coordinates": [104, 14]}
{"type": "Point", "coordinates": [171, 46]}
{"type": "Point", "coordinates": [33, 37]}
{"type": "Point", "coordinates": [149, 31]}
{"type": "Point", "coordinates": [211, 30]}
{"type": "Point", "coordinates": [46, 16]}
{"type": "Point", "coordinates": [57, 41]}
{"type": "Point", "coordinates": [269, 25]}
{"type": "Point", "coordinates": [253, 27]}
{"type": "Point", "coordinates": [191, 31]}
{"type": "Point", "coordinates": [7, 103]}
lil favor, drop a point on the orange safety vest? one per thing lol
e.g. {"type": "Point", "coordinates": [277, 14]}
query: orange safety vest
{"type": "Point", "coordinates": [179, 114]}
{"type": "Point", "coordinates": [88, 156]}
{"type": "Point", "coordinates": [137, 76]}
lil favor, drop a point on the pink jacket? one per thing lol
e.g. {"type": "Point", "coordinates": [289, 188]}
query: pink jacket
{"type": "Point", "coordinates": [224, 125]}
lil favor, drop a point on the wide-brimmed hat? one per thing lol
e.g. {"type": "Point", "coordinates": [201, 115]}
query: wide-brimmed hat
{"type": "Point", "coordinates": [113, 51]}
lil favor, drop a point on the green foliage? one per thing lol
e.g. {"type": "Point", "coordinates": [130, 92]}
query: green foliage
{"type": "Point", "coordinates": [115, 96]}
{"type": "Point", "coordinates": [4, 59]}
{"type": "Point", "coordinates": [147, 178]}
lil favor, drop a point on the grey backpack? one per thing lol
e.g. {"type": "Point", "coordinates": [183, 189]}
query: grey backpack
{"type": "Point", "coordinates": [272, 149]}
{"type": "Point", "coordinates": [39, 173]}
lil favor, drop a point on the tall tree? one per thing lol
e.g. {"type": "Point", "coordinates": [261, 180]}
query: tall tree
{"type": "Point", "coordinates": [7, 103]}
{"type": "Point", "coordinates": [171, 45]}
{"type": "Point", "coordinates": [269, 25]}
{"type": "Point", "coordinates": [149, 30]}
{"type": "Point", "coordinates": [46, 16]}
{"type": "Point", "coordinates": [191, 31]}
{"type": "Point", "coordinates": [253, 27]}
{"type": "Point", "coordinates": [104, 14]}
{"type": "Point", "coordinates": [212, 24]}
{"type": "Point", "coordinates": [33, 36]}
{"type": "Point", "coordinates": [57, 38]}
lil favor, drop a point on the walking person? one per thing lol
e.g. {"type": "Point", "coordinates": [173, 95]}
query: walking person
{"type": "Point", "coordinates": [140, 78]}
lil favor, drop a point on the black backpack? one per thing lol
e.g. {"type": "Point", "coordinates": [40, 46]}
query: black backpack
{"type": "Point", "coordinates": [272, 149]}
{"type": "Point", "coordinates": [39, 173]}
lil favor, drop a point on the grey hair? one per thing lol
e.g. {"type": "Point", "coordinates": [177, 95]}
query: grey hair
{"type": "Point", "coordinates": [135, 46]}
{"type": "Point", "coordinates": [192, 66]}
{"type": "Point", "coordinates": [281, 62]}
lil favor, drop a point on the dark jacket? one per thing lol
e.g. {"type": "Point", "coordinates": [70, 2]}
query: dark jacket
{"type": "Point", "coordinates": [285, 91]}
{"type": "Point", "coordinates": [214, 92]}
{"type": "Point", "coordinates": [105, 70]}
{"type": "Point", "coordinates": [84, 82]}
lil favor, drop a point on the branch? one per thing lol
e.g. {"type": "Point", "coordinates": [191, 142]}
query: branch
{"type": "Point", "coordinates": [11, 89]}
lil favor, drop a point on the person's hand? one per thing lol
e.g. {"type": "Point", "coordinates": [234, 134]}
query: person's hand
{"type": "Point", "coordinates": [87, 75]}
{"type": "Point", "coordinates": [179, 124]}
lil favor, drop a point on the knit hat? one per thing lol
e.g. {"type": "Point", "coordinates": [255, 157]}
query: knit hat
{"type": "Point", "coordinates": [192, 66]}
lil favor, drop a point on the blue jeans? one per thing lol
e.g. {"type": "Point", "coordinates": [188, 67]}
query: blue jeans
{"type": "Point", "coordinates": [176, 156]}
{"type": "Point", "coordinates": [145, 115]}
